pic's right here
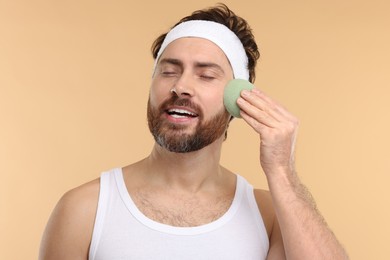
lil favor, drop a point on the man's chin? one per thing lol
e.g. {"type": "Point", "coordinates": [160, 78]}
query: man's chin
{"type": "Point", "coordinates": [177, 130]}
{"type": "Point", "coordinates": [180, 143]}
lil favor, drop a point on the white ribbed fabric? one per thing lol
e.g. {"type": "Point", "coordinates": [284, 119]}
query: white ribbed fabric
{"type": "Point", "coordinates": [219, 34]}
{"type": "Point", "coordinates": [121, 231]}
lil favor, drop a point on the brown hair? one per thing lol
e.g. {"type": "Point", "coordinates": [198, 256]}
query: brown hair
{"type": "Point", "coordinates": [222, 14]}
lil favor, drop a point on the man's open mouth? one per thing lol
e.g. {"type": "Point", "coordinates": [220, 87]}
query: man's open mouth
{"type": "Point", "coordinates": [180, 113]}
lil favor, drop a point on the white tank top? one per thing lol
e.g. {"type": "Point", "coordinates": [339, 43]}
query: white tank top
{"type": "Point", "coordinates": [122, 231]}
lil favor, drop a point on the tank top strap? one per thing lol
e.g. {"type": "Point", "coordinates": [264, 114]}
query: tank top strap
{"type": "Point", "coordinates": [253, 205]}
{"type": "Point", "coordinates": [107, 181]}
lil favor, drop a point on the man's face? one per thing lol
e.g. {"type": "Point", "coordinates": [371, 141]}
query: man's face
{"type": "Point", "coordinates": [193, 116]}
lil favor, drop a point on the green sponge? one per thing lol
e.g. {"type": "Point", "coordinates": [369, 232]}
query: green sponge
{"type": "Point", "coordinates": [232, 93]}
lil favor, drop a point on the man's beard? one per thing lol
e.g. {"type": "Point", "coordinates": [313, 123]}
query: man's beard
{"type": "Point", "coordinates": [172, 137]}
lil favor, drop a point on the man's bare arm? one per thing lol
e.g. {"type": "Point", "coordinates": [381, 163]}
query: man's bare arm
{"type": "Point", "coordinates": [303, 230]}
{"type": "Point", "coordinates": [69, 229]}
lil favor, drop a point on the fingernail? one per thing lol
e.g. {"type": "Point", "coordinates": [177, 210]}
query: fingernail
{"type": "Point", "coordinates": [245, 93]}
{"type": "Point", "coordinates": [255, 90]}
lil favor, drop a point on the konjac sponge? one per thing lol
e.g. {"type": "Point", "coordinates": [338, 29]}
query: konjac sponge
{"type": "Point", "coordinates": [232, 93]}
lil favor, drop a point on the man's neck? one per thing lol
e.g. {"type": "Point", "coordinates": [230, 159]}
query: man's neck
{"type": "Point", "coordinates": [192, 171]}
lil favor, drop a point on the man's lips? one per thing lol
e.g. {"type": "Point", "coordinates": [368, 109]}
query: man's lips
{"type": "Point", "coordinates": [181, 112]}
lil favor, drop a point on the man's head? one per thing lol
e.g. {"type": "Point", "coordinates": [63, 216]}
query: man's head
{"type": "Point", "coordinates": [185, 112]}
{"type": "Point", "coordinates": [223, 15]}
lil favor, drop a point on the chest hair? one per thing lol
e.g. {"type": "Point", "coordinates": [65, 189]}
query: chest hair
{"type": "Point", "coordinates": [181, 210]}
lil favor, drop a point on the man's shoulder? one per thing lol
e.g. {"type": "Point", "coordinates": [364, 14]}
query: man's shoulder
{"type": "Point", "coordinates": [79, 204]}
{"type": "Point", "coordinates": [69, 229]}
{"type": "Point", "coordinates": [82, 195]}
{"type": "Point", "coordinates": [263, 198]}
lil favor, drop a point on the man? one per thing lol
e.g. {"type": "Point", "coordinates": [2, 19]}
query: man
{"type": "Point", "coordinates": [179, 202]}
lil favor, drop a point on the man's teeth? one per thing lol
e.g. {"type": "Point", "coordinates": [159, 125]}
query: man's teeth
{"type": "Point", "coordinates": [178, 116]}
{"type": "Point", "coordinates": [179, 113]}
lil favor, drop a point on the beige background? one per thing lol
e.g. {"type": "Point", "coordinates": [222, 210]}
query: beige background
{"type": "Point", "coordinates": [74, 79]}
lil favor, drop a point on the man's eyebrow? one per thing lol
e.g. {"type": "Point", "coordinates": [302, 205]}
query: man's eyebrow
{"type": "Point", "coordinates": [198, 64]}
{"type": "Point", "coordinates": [171, 61]}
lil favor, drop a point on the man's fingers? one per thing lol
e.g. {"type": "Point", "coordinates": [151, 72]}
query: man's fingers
{"type": "Point", "coordinates": [259, 103]}
{"type": "Point", "coordinates": [281, 110]}
{"type": "Point", "coordinates": [254, 116]}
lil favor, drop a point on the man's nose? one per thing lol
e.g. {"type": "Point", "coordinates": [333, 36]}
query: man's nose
{"type": "Point", "coordinates": [184, 86]}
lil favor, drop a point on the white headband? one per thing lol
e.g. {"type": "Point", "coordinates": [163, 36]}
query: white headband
{"type": "Point", "coordinates": [219, 34]}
